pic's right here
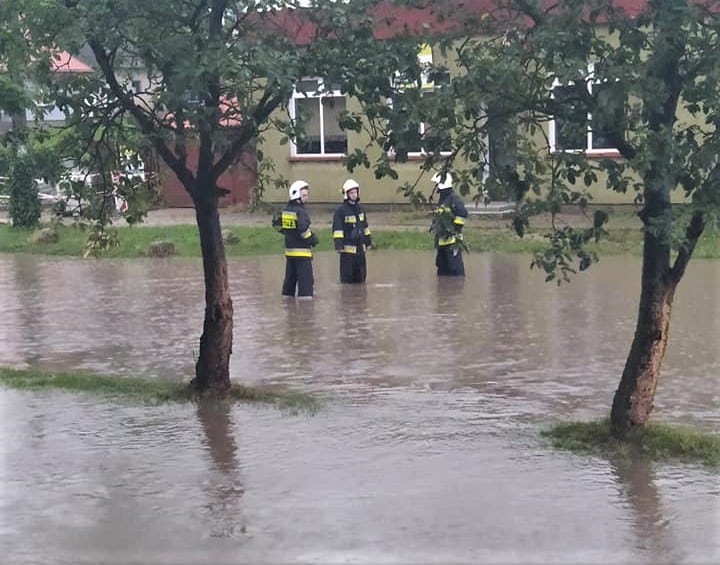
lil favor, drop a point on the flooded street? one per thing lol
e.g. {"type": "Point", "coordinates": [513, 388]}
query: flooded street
{"type": "Point", "coordinates": [426, 449]}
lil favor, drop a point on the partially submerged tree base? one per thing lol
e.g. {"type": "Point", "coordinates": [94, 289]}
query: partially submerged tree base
{"type": "Point", "coordinates": [293, 401]}
{"type": "Point", "coordinates": [152, 391]}
{"type": "Point", "coordinates": [657, 442]}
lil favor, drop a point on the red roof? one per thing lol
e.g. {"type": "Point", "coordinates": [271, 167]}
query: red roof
{"type": "Point", "coordinates": [391, 19]}
{"type": "Point", "coordinates": [424, 19]}
{"type": "Point", "coordinates": [63, 62]}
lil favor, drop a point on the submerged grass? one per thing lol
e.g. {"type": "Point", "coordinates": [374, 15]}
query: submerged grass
{"type": "Point", "coordinates": [150, 391]}
{"type": "Point", "coordinates": [654, 441]}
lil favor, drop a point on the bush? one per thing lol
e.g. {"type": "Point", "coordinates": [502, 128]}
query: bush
{"type": "Point", "coordinates": [24, 208]}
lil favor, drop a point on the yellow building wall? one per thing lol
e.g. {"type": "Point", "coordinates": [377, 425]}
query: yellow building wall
{"type": "Point", "coordinates": [326, 175]}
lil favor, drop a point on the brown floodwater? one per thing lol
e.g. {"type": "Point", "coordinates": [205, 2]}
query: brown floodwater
{"type": "Point", "coordinates": [426, 448]}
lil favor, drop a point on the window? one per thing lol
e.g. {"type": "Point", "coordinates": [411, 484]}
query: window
{"type": "Point", "coordinates": [422, 137]}
{"type": "Point", "coordinates": [317, 108]}
{"type": "Point", "coordinates": [422, 126]}
{"type": "Point", "coordinates": [574, 127]}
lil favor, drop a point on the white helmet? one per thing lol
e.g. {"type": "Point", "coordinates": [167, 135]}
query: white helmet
{"type": "Point", "coordinates": [296, 187]}
{"type": "Point", "coordinates": [442, 184]}
{"type": "Point", "coordinates": [348, 186]}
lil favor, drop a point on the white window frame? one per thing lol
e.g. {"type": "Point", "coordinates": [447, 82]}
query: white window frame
{"type": "Point", "coordinates": [425, 59]}
{"type": "Point", "coordinates": [320, 95]}
{"type": "Point", "coordinates": [426, 87]}
{"type": "Point", "coordinates": [423, 152]}
{"type": "Point", "coordinates": [590, 80]}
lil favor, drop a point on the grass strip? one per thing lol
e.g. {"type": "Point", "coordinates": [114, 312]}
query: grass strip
{"type": "Point", "coordinates": [654, 441]}
{"type": "Point", "coordinates": [150, 391]}
{"type": "Point", "coordinates": [264, 240]}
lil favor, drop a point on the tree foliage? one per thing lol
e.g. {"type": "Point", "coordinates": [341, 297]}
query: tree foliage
{"type": "Point", "coordinates": [644, 84]}
{"type": "Point", "coordinates": [596, 94]}
{"type": "Point", "coordinates": [217, 71]}
{"type": "Point", "coordinates": [546, 100]}
{"type": "Point", "coordinates": [216, 75]}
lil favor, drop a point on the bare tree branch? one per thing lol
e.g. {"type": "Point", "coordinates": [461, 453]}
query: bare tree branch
{"type": "Point", "coordinates": [266, 106]}
{"type": "Point", "coordinates": [147, 125]}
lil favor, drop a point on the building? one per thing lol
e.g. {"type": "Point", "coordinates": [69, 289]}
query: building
{"type": "Point", "coordinates": [62, 63]}
{"type": "Point", "coordinates": [320, 157]}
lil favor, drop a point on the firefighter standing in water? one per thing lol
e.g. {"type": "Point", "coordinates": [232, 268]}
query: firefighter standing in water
{"type": "Point", "coordinates": [448, 222]}
{"type": "Point", "coordinates": [351, 234]}
{"type": "Point", "coordinates": [299, 241]}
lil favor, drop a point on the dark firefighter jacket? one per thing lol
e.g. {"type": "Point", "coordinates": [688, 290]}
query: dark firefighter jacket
{"type": "Point", "coordinates": [450, 203]}
{"type": "Point", "coordinates": [351, 233]}
{"type": "Point", "coordinates": [299, 238]}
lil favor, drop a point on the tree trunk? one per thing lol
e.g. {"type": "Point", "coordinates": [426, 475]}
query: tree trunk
{"type": "Point", "coordinates": [635, 395]}
{"type": "Point", "coordinates": [212, 370]}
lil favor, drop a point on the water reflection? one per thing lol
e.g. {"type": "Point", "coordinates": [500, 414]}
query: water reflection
{"type": "Point", "coordinates": [300, 329]}
{"type": "Point", "coordinates": [426, 448]}
{"type": "Point", "coordinates": [354, 298]}
{"type": "Point", "coordinates": [30, 306]}
{"type": "Point", "coordinates": [650, 527]}
{"type": "Point", "coordinates": [300, 340]}
{"type": "Point", "coordinates": [501, 330]}
{"type": "Point", "coordinates": [353, 323]}
{"type": "Point", "coordinates": [224, 487]}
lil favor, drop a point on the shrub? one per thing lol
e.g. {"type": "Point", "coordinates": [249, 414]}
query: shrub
{"type": "Point", "coordinates": [24, 206]}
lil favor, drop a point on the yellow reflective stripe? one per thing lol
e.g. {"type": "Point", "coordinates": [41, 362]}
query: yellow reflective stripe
{"type": "Point", "coordinates": [367, 231]}
{"type": "Point", "coordinates": [350, 249]}
{"type": "Point", "coordinates": [306, 234]}
{"type": "Point", "coordinates": [361, 216]}
{"type": "Point", "coordinates": [459, 221]}
{"type": "Point", "coordinates": [447, 241]}
{"type": "Point", "coordinates": [289, 220]}
{"type": "Point", "coordinates": [350, 219]}
{"type": "Point", "coordinates": [338, 234]}
{"type": "Point", "coordinates": [298, 253]}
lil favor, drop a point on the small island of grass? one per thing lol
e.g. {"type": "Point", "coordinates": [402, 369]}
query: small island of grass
{"type": "Point", "coordinates": [150, 391]}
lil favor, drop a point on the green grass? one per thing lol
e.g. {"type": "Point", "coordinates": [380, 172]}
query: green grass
{"type": "Point", "coordinates": [259, 240]}
{"type": "Point", "coordinates": [148, 391]}
{"type": "Point", "coordinates": [654, 441]}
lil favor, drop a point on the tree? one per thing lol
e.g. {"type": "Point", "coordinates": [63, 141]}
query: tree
{"type": "Point", "coordinates": [211, 63]}
{"type": "Point", "coordinates": [13, 101]}
{"type": "Point", "coordinates": [24, 207]}
{"type": "Point", "coordinates": [632, 96]}
{"type": "Point", "coordinates": [13, 57]}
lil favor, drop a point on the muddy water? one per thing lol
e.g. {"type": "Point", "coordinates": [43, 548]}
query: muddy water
{"type": "Point", "coordinates": [426, 449]}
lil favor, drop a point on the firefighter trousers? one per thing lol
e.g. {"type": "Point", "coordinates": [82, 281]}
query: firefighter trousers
{"type": "Point", "coordinates": [298, 273]}
{"type": "Point", "coordinates": [449, 262]}
{"type": "Point", "coordinates": [353, 268]}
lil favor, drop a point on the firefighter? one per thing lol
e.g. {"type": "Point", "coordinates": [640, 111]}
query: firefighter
{"type": "Point", "coordinates": [448, 222]}
{"type": "Point", "coordinates": [351, 234]}
{"type": "Point", "coordinates": [299, 241]}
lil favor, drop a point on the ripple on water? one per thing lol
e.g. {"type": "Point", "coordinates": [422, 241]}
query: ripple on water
{"type": "Point", "coordinates": [426, 447]}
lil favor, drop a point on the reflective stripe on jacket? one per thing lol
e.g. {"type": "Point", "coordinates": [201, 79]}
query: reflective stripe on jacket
{"type": "Point", "coordinates": [451, 202]}
{"type": "Point", "coordinates": [299, 238]}
{"type": "Point", "coordinates": [351, 233]}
